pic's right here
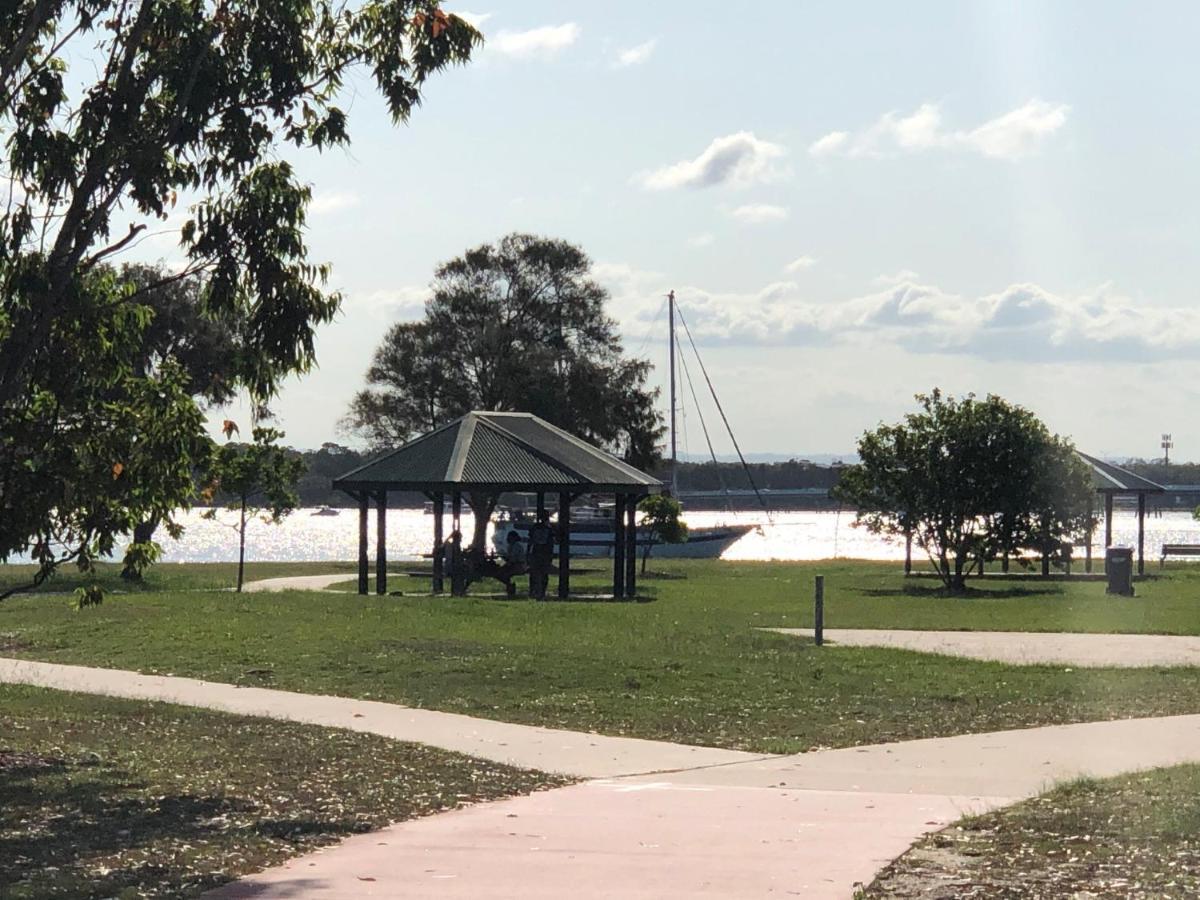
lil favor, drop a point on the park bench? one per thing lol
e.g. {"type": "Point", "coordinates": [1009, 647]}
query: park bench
{"type": "Point", "coordinates": [1185, 550]}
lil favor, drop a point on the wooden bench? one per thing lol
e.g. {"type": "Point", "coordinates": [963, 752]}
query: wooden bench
{"type": "Point", "coordinates": [1186, 550]}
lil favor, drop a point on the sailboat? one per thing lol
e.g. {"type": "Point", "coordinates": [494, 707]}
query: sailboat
{"type": "Point", "coordinates": [593, 527]}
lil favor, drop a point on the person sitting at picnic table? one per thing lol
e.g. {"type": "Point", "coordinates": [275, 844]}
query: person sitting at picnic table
{"type": "Point", "coordinates": [515, 561]}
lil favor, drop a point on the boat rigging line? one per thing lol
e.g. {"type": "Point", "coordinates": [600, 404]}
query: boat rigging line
{"type": "Point", "coordinates": [687, 376]}
{"type": "Point", "coordinates": [713, 391]}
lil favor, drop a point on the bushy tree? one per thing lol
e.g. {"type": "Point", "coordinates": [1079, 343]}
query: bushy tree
{"type": "Point", "coordinates": [258, 479]}
{"type": "Point", "coordinates": [206, 349]}
{"type": "Point", "coordinates": [662, 519]}
{"type": "Point", "coordinates": [113, 114]}
{"type": "Point", "coordinates": [970, 480]}
{"type": "Point", "coordinates": [518, 325]}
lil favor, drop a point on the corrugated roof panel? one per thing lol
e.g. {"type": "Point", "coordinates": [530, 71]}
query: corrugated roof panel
{"type": "Point", "coordinates": [493, 457]}
{"type": "Point", "coordinates": [588, 460]}
{"type": "Point", "coordinates": [510, 449]}
{"type": "Point", "coordinates": [425, 459]}
{"type": "Point", "coordinates": [1107, 477]}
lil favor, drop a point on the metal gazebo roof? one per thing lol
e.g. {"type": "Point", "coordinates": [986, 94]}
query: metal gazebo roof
{"type": "Point", "coordinates": [1110, 479]}
{"type": "Point", "coordinates": [499, 451]}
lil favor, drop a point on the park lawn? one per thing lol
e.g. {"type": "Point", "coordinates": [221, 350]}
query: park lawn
{"type": "Point", "coordinates": [165, 577]}
{"type": "Point", "coordinates": [114, 798]}
{"type": "Point", "coordinates": [689, 666]}
{"type": "Point", "coordinates": [863, 594]}
{"type": "Point", "coordinates": [1134, 836]}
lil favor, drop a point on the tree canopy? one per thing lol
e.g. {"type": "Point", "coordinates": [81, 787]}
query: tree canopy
{"type": "Point", "coordinates": [970, 480]}
{"type": "Point", "coordinates": [518, 325]}
{"type": "Point", "coordinates": [115, 114]}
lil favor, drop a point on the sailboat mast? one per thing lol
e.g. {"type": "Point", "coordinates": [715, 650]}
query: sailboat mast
{"type": "Point", "coordinates": [674, 456]}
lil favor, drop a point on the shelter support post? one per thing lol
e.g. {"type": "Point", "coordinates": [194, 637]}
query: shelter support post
{"type": "Point", "coordinates": [439, 562]}
{"type": "Point", "coordinates": [1087, 559]}
{"type": "Point", "coordinates": [1108, 505]}
{"type": "Point", "coordinates": [564, 546]}
{"type": "Point", "coordinates": [631, 548]}
{"type": "Point", "coordinates": [381, 544]}
{"type": "Point", "coordinates": [363, 563]}
{"type": "Point", "coordinates": [457, 587]}
{"type": "Point", "coordinates": [619, 546]}
{"type": "Point", "coordinates": [541, 504]}
{"type": "Point", "coordinates": [1141, 534]}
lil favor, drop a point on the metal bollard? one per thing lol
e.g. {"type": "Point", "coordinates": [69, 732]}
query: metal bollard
{"type": "Point", "coordinates": [819, 611]}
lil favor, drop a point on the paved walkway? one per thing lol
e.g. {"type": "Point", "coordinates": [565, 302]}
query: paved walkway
{"type": "Point", "coordinates": [811, 825]}
{"type": "Point", "coordinates": [1027, 648]}
{"type": "Point", "coordinates": [697, 822]}
{"type": "Point", "coordinates": [547, 749]}
{"type": "Point", "coordinates": [299, 582]}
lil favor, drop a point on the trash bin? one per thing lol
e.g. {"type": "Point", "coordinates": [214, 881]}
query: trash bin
{"type": "Point", "coordinates": [1118, 566]}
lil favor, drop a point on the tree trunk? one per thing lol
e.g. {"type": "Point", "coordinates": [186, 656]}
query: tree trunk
{"type": "Point", "coordinates": [143, 532]}
{"type": "Point", "coordinates": [646, 555]}
{"type": "Point", "coordinates": [241, 546]}
{"type": "Point", "coordinates": [482, 507]}
{"type": "Point", "coordinates": [958, 583]}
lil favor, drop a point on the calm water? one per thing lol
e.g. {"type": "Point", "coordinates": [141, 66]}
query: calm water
{"type": "Point", "coordinates": [793, 535]}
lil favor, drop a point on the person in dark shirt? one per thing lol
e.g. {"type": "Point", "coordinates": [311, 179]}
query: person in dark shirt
{"type": "Point", "coordinates": [541, 554]}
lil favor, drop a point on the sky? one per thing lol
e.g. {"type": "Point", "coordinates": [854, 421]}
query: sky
{"type": "Point", "coordinates": [854, 202]}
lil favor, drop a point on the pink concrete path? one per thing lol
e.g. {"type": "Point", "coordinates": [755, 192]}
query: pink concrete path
{"type": "Point", "coordinates": [701, 822]}
{"type": "Point", "coordinates": [812, 825]}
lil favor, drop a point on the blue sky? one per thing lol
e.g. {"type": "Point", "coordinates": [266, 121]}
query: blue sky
{"type": "Point", "coordinates": [853, 201]}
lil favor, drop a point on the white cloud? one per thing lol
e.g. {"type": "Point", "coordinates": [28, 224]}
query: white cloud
{"type": "Point", "coordinates": [636, 55]}
{"type": "Point", "coordinates": [739, 159]}
{"type": "Point", "coordinates": [1023, 322]}
{"type": "Point", "coordinates": [1017, 133]}
{"type": "Point", "coordinates": [759, 213]}
{"type": "Point", "coordinates": [401, 304]}
{"type": "Point", "coordinates": [799, 264]}
{"type": "Point", "coordinates": [1014, 135]}
{"type": "Point", "coordinates": [705, 239]}
{"type": "Point", "coordinates": [896, 278]}
{"type": "Point", "coordinates": [830, 144]}
{"type": "Point", "coordinates": [334, 201]}
{"type": "Point", "coordinates": [474, 19]}
{"type": "Point", "coordinates": [536, 43]}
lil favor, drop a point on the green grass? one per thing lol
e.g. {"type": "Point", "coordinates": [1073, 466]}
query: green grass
{"type": "Point", "coordinates": [165, 577]}
{"type": "Point", "coordinates": [113, 798]}
{"type": "Point", "coordinates": [1129, 837]}
{"type": "Point", "coordinates": [688, 666]}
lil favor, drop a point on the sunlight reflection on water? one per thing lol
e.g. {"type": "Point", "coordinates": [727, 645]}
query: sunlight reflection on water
{"type": "Point", "coordinates": [791, 535]}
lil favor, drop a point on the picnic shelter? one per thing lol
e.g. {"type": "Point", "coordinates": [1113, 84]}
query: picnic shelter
{"type": "Point", "coordinates": [483, 455]}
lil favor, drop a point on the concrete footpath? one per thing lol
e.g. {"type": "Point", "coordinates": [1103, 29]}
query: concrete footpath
{"type": "Point", "coordinates": [547, 749]}
{"type": "Point", "coordinates": [812, 825]}
{"type": "Point", "coordinates": [300, 583]}
{"type": "Point", "coordinates": [1026, 647]}
{"type": "Point", "coordinates": [657, 820]}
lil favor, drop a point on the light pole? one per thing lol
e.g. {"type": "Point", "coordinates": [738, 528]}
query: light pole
{"type": "Point", "coordinates": [1166, 445]}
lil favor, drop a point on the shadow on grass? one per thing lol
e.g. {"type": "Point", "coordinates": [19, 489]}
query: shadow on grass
{"type": "Point", "coordinates": [76, 828]}
{"type": "Point", "coordinates": [939, 591]}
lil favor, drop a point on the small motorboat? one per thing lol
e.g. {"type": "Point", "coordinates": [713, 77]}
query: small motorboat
{"type": "Point", "coordinates": [326, 511]}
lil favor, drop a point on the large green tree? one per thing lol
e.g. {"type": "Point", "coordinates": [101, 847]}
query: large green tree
{"type": "Point", "coordinates": [969, 480]}
{"type": "Point", "coordinates": [114, 114]}
{"type": "Point", "coordinates": [206, 349]}
{"type": "Point", "coordinates": [519, 325]}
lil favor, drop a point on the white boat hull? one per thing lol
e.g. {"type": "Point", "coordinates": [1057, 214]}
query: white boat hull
{"type": "Point", "coordinates": [702, 543]}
